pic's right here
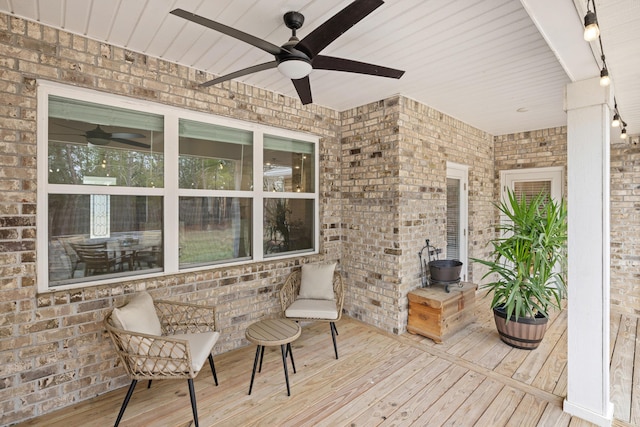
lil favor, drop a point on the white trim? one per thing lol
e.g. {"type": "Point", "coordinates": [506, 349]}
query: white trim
{"type": "Point", "coordinates": [258, 190]}
{"type": "Point", "coordinates": [555, 174]}
{"type": "Point", "coordinates": [605, 420]}
{"type": "Point", "coordinates": [171, 214]}
{"type": "Point", "coordinates": [171, 189]}
{"type": "Point", "coordinates": [461, 172]}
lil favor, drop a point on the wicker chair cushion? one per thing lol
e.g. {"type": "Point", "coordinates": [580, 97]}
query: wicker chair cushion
{"type": "Point", "coordinates": [317, 281]}
{"type": "Point", "coordinates": [139, 315]}
{"type": "Point", "coordinates": [312, 309]}
{"type": "Point", "coordinates": [200, 345]}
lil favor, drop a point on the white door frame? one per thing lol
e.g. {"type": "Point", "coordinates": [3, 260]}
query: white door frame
{"type": "Point", "coordinates": [555, 174]}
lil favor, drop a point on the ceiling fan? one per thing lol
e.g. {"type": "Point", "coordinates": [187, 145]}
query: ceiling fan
{"type": "Point", "coordinates": [99, 136]}
{"type": "Point", "coordinates": [296, 58]}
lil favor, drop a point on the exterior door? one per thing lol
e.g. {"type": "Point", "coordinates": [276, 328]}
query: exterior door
{"type": "Point", "coordinates": [457, 214]}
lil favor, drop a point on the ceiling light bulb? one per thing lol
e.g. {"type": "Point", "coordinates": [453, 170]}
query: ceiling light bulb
{"type": "Point", "coordinates": [616, 120]}
{"type": "Point", "coordinates": [623, 134]}
{"type": "Point", "coordinates": [295, 68]}
{"type": "Point", "coordinates": [604, 78]}
{"type": "Point", "coordinates": [591, 29]}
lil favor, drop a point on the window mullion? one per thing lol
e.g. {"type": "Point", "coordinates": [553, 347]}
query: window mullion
{"type": "Point", "coordinates": [171, 194]}
{"type": "Point", "coordinates": [258, 195]}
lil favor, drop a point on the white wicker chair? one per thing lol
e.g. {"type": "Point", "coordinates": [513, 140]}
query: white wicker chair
{"type": "Point", "coordinates": [186, 340]}
{"type": "Point", "coordinates": [305, 309]}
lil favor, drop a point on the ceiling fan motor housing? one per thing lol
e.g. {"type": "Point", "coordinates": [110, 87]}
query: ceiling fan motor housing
{"type": "Point", "coordinates": [293, 20]}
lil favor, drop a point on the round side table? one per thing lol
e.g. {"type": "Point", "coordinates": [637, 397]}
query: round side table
{"type": "Point", "coordinates": [272, 332]}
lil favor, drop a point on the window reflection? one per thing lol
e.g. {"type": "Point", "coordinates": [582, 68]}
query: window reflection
{"type": "Point", "coordinates": [214, 229]}
{"type": "Point", "coordinates": [288, 225]}
{"type": "Point", "coordinates": [121, 238]}
{"type": "Point", "coordinates": [288, 165]}
{"type": "Point", "coordinates": [92, 144]}
{"type": "Point", "coordinates": [215, 157]}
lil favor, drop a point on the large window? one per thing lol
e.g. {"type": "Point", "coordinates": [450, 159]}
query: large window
{"type": "Point", "coordinates": [128, 188]}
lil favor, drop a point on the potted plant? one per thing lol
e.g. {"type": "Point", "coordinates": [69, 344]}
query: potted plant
{"type": "Point", "coordinates": [528, 267]}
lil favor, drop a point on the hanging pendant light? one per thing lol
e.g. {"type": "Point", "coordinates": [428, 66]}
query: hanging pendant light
{"type": "Point", "coordinates": [605, 80]}
{"type": "Point", "coordinates": [616, 120]}
{"type": "Point", "coordinates": [591, 29]}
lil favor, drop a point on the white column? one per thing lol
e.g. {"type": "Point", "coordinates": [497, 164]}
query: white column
{"type": "Point", "coordinates": [588, 111]}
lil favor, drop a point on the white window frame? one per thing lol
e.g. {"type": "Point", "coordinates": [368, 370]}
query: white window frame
{"type": "Point", "coordinates": [461, 173]}
{"type": "Point", "coordinates": [170, 192]}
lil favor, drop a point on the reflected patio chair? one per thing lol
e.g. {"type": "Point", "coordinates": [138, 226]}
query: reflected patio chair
{"type": "Point", "coordinates": [162, 340]}
{"type": "Point", "coordinates": [314, 293]}
{"type": "Point", "coordinates": [98, 259]}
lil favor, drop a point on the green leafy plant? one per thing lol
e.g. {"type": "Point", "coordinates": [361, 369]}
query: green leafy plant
{"type": "Point", "coordinates": [529, 257]}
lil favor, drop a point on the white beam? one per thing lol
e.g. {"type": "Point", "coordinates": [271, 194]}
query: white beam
{"type": "Point", "coordinates": [562, 28]}
{"type": "Point", "coordinates": [588, 172]}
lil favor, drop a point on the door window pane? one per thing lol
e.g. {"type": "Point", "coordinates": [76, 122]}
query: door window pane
{"type": "Point", "coordinates": [215, 157]}
{"type": "Point", "coordinates": [93, 236]}
{"type": "Point", "coordinates": [288, 225]}
{"type": "Point", "coordinates": [214, 229]}
{"type": "Point", "coordinates": [288, 165]}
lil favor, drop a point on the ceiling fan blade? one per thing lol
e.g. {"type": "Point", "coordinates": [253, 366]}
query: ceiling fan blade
{"type": "Point", "coordinates": [322, 62]}
{"type": "Point", "coordinates": [240, 73]}
{"type": "Point", "coordinates": [126, 135]}
{"type": "Point", "coordinates": [129, 142]}
{"type": "Point", "coordinates": [232, 32]}
{"type": "Point", "coordinates": [335, 26]}
{"type": "Point", "coordinates": [303, 87]}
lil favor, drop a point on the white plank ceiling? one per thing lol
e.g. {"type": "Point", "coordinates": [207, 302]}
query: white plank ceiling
{"type": "Point", "coordinates": [484, 62]}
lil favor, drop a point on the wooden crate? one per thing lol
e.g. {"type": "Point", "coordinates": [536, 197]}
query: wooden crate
{"type": "Point", "coordinates": [436, 314]}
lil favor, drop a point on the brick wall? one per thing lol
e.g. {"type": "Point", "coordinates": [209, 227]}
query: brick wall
{"type": "Point", "coordinates": [394, 182]}
{"type": "Point", "coordinates": [534, 149]}
{"type": "Point", "coordinates": [430, 139]}
{"type": "Point", "coordinates": [369, 183]}
{"type": "Point", "coordinates": [382, 182]}
{"type": "Point", "coordinates": [53, 351]}
{"type": "Point", "coordinates": [548, 147]}
{"type": "Point", "coordinates": [625, 228]}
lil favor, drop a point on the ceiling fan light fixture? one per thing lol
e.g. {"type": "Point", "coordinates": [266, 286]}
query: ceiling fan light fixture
{"type": "Point", "coordinates": [295, 68]}
{"type": "Point", "coordinates": [591, 29]}
{"type": "Point", "coordinates": [98, 141]}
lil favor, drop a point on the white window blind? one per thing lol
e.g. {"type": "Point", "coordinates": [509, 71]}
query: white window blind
{"type": "Point", "coordinates": [453, 218]}
{"type": "Point", "coordinates": [530, 189]}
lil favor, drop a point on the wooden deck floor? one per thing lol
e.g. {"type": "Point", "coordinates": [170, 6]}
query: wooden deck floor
{"type": "Point", "coordinates": [472, 379]}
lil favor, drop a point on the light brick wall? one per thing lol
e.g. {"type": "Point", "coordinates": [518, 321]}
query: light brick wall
{"type": "Point", "coordinates": [548, 147]}
{"type": "Point", "coordinates": [430, 139]}
{"type": "Point", "coordinates": [382, 183]}
{"type": "Point", "coordinates": [625, 228]}
{"type": "Point", "coordinates": [53, 351]}
{"type": "Point", "coordinates": [533, 149]}
{"type": "Point", "coordinates": [394, 182]}
{"type": "Point", "coordinates": [370, 219]}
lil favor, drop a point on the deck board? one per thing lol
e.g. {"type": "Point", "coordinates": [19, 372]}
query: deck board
{"type": "Point", "coordinates": [471, 379]}
{"type": "Point", "coordinates": [635, 392]}
{"type": "Point", "coordinates": [621, 369]}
